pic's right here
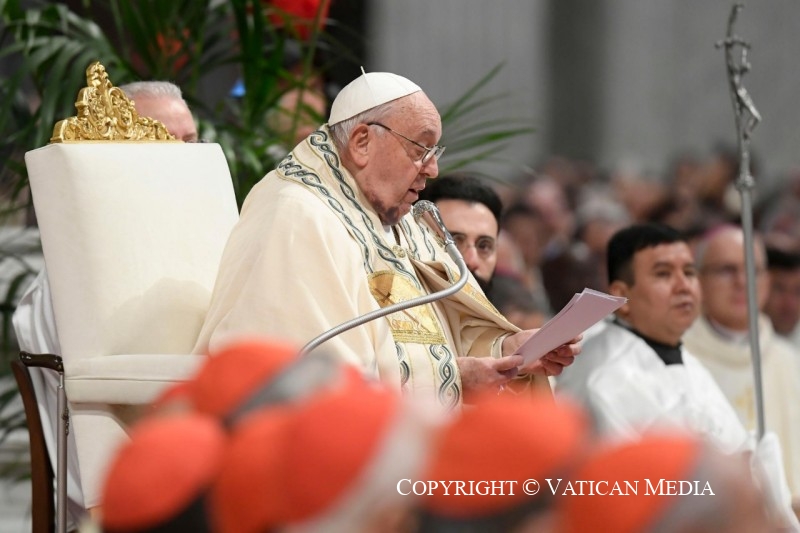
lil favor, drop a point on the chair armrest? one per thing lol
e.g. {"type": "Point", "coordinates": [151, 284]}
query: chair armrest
{"type": "Point", "coordinates": [42, 360]}
{"type": "Point", "coordinates": [129, 379]}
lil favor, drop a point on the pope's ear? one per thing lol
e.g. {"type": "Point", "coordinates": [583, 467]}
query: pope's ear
{"type": "Point", "coordinates": [620, 288]}
{"type": "Point", "coordinates": [358, 144]}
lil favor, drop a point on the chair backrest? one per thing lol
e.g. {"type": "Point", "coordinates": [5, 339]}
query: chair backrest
{"type": "Point", "coordinates": [132, 235]}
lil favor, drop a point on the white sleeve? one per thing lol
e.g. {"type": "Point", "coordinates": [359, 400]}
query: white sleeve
{"type": "Point", "coordinates": [34, 320]}
{"type": "Point", "coordinates": [767, 464]}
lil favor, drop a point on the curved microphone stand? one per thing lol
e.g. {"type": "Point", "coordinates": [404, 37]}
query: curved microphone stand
{"type": "Point", "coordinates": [428, 212]}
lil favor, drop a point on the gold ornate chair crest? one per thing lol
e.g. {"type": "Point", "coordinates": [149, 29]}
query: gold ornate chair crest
{"type": "Point", "coordinates": [105, 113]}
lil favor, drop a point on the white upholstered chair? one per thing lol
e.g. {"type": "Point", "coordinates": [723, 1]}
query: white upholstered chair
{"type": "Point", "coordinates": [132, 235]}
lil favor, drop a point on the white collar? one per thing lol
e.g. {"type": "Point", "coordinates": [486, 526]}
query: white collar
{"type": "Point", "coordinates": [738, 337]}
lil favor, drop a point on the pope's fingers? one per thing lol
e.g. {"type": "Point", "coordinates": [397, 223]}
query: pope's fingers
{"type": "Point", "coordinates": [551, 368]}
{"type": "Point", "coordinates": [564, 362]}
{"type": "Point", "coordinates": [559, 359]}
{"type": "Point", "coordinates": [567, 350]}
{"type": "Point", "coordinates": [575, 340]}
{"type": "Point", "coordinates": [574, 346]}
{"type": "Point", "coordinates": [508, 362]}
{"type": "Point", "coordinates": [509, 374]}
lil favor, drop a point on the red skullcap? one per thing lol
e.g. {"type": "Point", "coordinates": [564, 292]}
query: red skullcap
{"type": "Point", "coordinates": [339, 435]}
{"type": "Point", "coordinates": [655, 457]}
{"type": "Point", "coordinates": [168, 463]}
{"type": "Point", "coordinates": [303, 462]}
{"type": "Point", "coordinates": [248, 496]}
{"type": "Point", "coordinates": [231, 374]}
{"type": "Point", "coordinates": [503, 438]}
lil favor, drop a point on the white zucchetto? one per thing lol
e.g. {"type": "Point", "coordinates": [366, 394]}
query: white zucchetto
{"type": "Point", "coordinates": [367, 91]}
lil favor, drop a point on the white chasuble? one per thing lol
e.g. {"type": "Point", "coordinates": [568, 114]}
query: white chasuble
{"type": "Point", "coordinates": [310, 253]}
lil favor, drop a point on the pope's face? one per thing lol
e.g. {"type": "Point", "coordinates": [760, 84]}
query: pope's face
{"type": "Point", "coordinates": [394, 176]}
{"type": "Point", "coordinates": [664, 298]}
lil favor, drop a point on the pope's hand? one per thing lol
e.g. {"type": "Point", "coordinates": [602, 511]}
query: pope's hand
{"type": "Point", "coordinates": [550, 364]}
{"type": "Point", "coordinates": [479, 374]}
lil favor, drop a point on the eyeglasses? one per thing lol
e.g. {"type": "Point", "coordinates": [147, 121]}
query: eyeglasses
{"type": "Point", "coordinates": [729, 271]}
{"type": "Point", "coordinates": [429, 152]}
{"type": "Point", "coordinates": [485, 246]}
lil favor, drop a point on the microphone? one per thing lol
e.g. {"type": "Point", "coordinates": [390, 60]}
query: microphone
{"type": "Point", "coordinates": [428, 212]}
{"type": "Point", "coordinates": [424, 212]}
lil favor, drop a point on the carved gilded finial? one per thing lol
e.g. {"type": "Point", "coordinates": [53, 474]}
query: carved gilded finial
{"type": "Point", "coordinates": [105, 113]}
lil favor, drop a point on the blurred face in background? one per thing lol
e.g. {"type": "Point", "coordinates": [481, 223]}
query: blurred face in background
{"type": "Point", "coordinates": [722, 277]}
{"type": "Point", "coordinates": [549, 198]}
{"type": "Point", "coordinates": [509, 256]}
{"type": "Point", "coordinates": [172, 112]}
{"type": "Point", "coordinates": [528, 233]}
{"type": "Point", "coordinates": [783, 302]}
{"type": "Point", "coordinates": [475, 230]}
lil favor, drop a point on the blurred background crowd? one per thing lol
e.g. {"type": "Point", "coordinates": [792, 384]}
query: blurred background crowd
{"type": "Point", "coordinates": [559, 216]}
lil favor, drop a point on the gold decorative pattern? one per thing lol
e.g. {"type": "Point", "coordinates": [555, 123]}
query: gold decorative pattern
{"type": "Point", "coordinates": [417, 324]}
{"type": "Point", "coordinates": [479, 297]}
{"type": "Point", "coordinates": [105, 113]}
{"type": "Point", "coordinates": [472, 292]}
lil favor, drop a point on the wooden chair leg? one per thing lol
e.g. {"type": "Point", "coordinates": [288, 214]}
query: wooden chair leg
{"type": "Point", "coordinates": [42, 474]}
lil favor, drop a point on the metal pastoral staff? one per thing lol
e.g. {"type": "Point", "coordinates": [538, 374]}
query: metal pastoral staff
{"type": "Point", "coordinates": [747, 118]}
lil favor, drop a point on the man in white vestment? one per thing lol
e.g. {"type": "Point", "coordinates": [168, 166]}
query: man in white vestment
{"type": "Point", "coordinates": [720, 340]}
{"type": "Point", "coordinates": [634, 374]}
{"type": "Point", "coordinates": [327, 237]}
{"type": "Point", "coordinates": [34, 320]}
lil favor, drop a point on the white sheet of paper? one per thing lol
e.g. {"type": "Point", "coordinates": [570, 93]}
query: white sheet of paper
{"type": "Point", "coordinates": [583, 310]}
